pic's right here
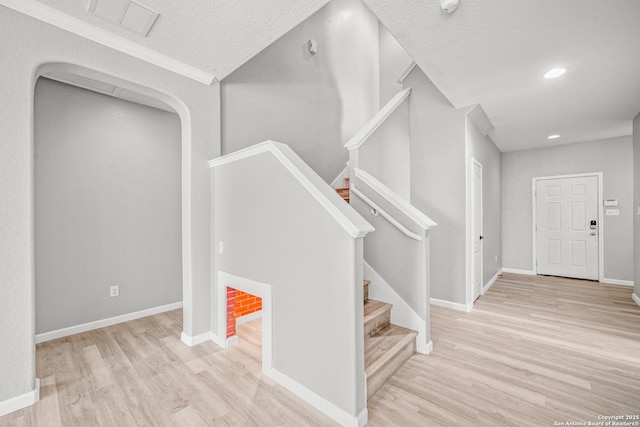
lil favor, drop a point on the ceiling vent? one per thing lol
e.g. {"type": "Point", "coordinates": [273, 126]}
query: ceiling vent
{"type": "Point", "coordinates": [128, 14]}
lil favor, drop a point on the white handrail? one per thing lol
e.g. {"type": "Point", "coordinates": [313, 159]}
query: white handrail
{"type": "Point", "coordinates": [372, 125]}
{"type": "Point", "coordinates": [388, 217]}
{"type": "Point", "coordinates": [398, 202]}
{"type": "Point", "coordinates": [350, 220]}
{"type": "Point", "coordinates": [407, 72]}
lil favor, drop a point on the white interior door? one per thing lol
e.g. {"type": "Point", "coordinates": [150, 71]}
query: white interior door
{"type": "Point", "coordinates": [567, 227]}
{"type": "Point", "coordinates": [476, 228]}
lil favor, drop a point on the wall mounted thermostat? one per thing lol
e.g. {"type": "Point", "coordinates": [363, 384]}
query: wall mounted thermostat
{"type": "Point", "coordinates": [611, 202]}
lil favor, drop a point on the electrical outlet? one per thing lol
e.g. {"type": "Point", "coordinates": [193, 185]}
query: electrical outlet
{"type": "Point", "coordinates": [114, 291]}
{"type": "Point", "coordinates": [220, 247]}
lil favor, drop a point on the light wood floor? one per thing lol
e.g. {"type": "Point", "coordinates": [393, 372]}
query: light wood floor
{"type": "Point", "coordinates": [534, 350]}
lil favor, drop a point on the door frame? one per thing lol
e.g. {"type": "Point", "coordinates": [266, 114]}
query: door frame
{"type": "Point", "coordinates": [475, 162]}
{"type": "Point", "coordinates": [534, 198]}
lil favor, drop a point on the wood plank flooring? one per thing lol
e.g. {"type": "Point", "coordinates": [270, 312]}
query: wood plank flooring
{"type": "Point", "coordinates": [534, 351]}
{"type": "Point", "coordinates": [139, 373]}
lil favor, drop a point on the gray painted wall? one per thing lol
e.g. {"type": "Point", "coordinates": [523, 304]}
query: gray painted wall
{"type": "Point", "coordinates": [438, 182]}
{"type": "Point", "coordinates": [314, 104]}
{"type": "Point", "coordinates": [636, 203]}
{"type": "Point", "coordinates": [483, 149]}
{"type": "Point", "coordinates": [42, 47]}
{"type": "Point", "coordinates": [613, 157]}
{"type": "Point", "coordinates": [107, 206]}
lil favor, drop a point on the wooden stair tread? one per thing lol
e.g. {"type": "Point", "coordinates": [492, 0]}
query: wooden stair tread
{"type": "Point", "coordinates": [373, 308]}
{"type": "Point", "coordinates": [382, 347]}
{"type": "Point", "coordinates": [366, 282]}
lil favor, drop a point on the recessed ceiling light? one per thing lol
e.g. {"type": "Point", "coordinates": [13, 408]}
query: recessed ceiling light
{"type": "Point", "coordinates": [553, 136]}
{"type": "Point", "coordinates": [554, 72]}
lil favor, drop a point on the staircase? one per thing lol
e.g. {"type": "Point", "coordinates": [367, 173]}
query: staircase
{"type": "Point", "coordinates": [344, 190]}
{"type": "Point", "coordinates": [386, 346]}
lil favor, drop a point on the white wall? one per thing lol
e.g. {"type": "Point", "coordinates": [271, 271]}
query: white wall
{"type": "Point", "coordinates": [107, 206]}
{"type": "Point", "coordinates": [636, 203]}
{"type": "Point", "coordinates": [314, 104]}
{"type": "Point", "coordinates": [613, 157]}
{"type": "Point", "coordinates": [394, 61]}
{"type": "Point", "coordinates": [34, 45]}
{"type": "Point", "coordinates": [484, 150]}
{"type": "Point", "coordinates": [438, 182]}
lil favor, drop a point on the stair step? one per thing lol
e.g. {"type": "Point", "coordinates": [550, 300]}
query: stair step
{"type": "Point", "coordinates": [366, 283]}
{"type": "Point", "coordinates": [345, 181]}
{"type": "Point", "coordinates": [377, 316]}
{"type": "Point", "coordinates": [385, 352]}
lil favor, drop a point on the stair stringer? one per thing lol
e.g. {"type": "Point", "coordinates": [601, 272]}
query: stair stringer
{"type": "Point", "coordinates": [402, 314]}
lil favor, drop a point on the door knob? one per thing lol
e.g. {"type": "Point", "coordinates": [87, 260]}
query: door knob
{"type": "Point", "coordinates": [593, 233]}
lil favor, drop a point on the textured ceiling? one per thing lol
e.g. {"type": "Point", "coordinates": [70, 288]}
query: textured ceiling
{"type": "Point", "coordinates": [491, 52]}
{"type": "Point", "coordinates": [216, 36]}
{"type": "Point", "coordinates": [494, 52]}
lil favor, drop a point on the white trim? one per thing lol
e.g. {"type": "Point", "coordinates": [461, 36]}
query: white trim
{"type": "Point", "coordinates": [353, 223]}
{"type": "Point", "coordinates": [252, 287]}
{"type": "Point", "coordinates": [22, 401]}
{"type": "Point", "coordinates": [397, 201]}
{"type": "Point", "coordinates": [372, 125]}
{"type": "Point", "coordinates": [248, 317]}
{"type": "Point", "coordinates": [636, 298]}
{"type": "Point", "coordinates": [599, 176]}
{"type": "Point", "coordinates": [429, 348]}
{"type": "Point", "coordinates": [402, 314]}
{"type": "Point", "coordinates": [231, 341]}
{"type": "Point", "coordinates": [338, 181]}
{"type": "Point", "coordinates": [83, 29]}
{"type": "Point", "coordinates": [469, 224]}
{"type": "Point", "coordinates": [77, 329]}
{"type": "Point", "coordinates": [332, 411]}
{"type": "Point", "coordinates": [617, 282]}
{"type": "Point", "coordinates": [406, 73]}
{"type": "Point", "coordinates": [198, 339]}
{"type": "Point", "coordinates": [452, 305]}
{"type": "Point", "coordinates": [518, 271]}
{"type": "Point", "coordinates": [385, 214]}
{"type": "Point", "coordinates": [221, 341]}
{"type": "Point", "coordinates": [491, 282]}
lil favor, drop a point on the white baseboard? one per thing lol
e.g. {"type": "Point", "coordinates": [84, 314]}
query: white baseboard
{"type": "Point", "coordinates": [248, 317]}
{"type": "Point", "coordinates": [85, 327]}
{"type": "Point", "coordinates": [518, 271]}
{"type": "Point", "coordinates": [429, 347]}
{"type": "Point", "coordinates": [636, 298]}
{"type": "Point", "coordinates": [491, 282]}
{"type": "Point", "coordinates": [402, 314]}
{"type": "Point", "coordinates": [326, 407]}
{"type": "Point", "coordinates": [195, 340]}
{"type": "Point", "coordinates": [453, 305]}
{"type": "Point", "coordinates": [217, 339]}
{"type": "Point", "coordinates": [617, 282]}
{"type": "Point", "coordinates": [22, 401]}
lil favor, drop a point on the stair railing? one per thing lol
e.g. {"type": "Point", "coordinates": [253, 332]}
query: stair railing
{"type": "Point", "coordinates": [398, 252]}
{"type": "Point", "coordinates": [382, 146]}
{"type": "Point", "coordinates": [276, 222]}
